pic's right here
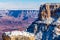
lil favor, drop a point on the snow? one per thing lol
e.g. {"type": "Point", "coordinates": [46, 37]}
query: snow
{"type": "Point", "coordinates": [47, 21]}
{"type": "Point", "coordinates": [57, 31]}
{"type": "Point", "coordinates": [17, 33]}
{"type": "Point", "coordinates": [39, 36]}
{"type": "Point", "coordinates": [57, 22]}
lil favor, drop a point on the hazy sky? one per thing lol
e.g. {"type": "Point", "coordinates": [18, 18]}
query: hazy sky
{"type": "Point", "coordinates": [24, 4]}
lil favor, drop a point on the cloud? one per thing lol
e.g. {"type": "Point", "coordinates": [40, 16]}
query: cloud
{"type": "Point", "coordinates": [20, 6]}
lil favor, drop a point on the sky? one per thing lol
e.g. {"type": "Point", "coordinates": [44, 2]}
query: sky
{"type": "Point", "coordinates": [24, 4]}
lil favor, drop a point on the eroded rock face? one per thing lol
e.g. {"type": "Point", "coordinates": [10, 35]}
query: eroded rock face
{"type": "Point", "coordinates": [50, 11]}
{"type": "Point", "coordinates": [47, 21]}
{"type": "Point", "coordinates": [11, 20]}
{"type": "Point", "coordinates": [46, 12]}
{"type": "Point", "coordinates": [57, 30]}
